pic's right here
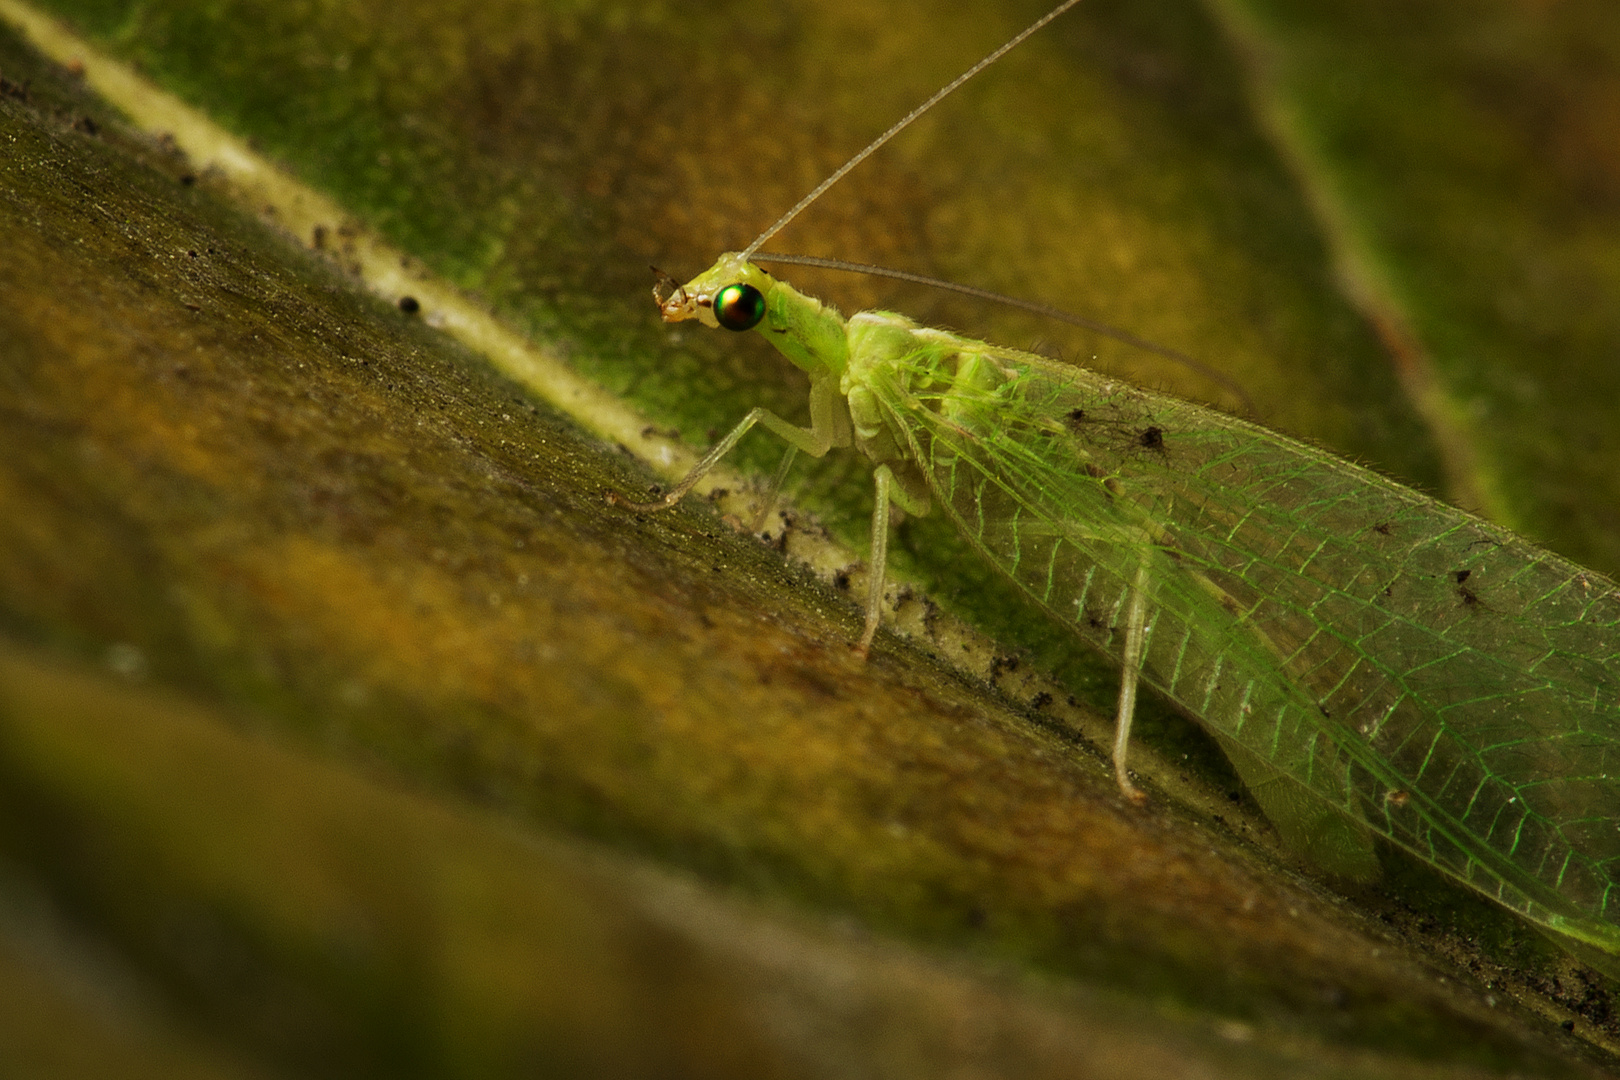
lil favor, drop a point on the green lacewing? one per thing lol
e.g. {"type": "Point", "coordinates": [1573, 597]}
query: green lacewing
{"type": "Point", "coordinates": [1370, 659]}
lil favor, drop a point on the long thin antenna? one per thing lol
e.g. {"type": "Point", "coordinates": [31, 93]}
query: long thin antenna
{"type": "Point", "coordinates": [1036, 307]}
{"type": "Point", "coordinates": [902, 124]}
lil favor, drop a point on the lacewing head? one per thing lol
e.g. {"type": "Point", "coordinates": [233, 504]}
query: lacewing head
{"type": "Point", "coordinates": [729, 294]}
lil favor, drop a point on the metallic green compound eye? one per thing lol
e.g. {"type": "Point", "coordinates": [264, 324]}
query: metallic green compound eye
{"type": "Point", "coordinates": [739, 307]}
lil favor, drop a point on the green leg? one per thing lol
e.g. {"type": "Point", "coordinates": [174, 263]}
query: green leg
{"type": "Point", "coordinates": [768, 502]}
{"type": "Point", "coordinates": [887, 490]}
{"type": "Point", "coordinates": [1130, 673]}
{"type": "Point", "coordinates": [798, 438]}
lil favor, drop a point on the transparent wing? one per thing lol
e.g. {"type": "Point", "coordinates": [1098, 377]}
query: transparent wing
{"type": "Point", "coordinates": [1418, 669]}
